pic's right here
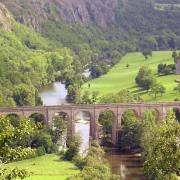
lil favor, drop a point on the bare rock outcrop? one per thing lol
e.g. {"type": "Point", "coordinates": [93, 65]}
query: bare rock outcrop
{"type": "Point", "coordinates": [5, 18]}
{"type": "Point", "coordinates": [34, 12]}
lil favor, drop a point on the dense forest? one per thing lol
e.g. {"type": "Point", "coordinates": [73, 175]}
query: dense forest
{"type": "Point", "coordinates": [60, 48]}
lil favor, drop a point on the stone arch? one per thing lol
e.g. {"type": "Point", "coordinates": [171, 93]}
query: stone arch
{"type": "Point", "coordinates": [83, 112]}
{"type": "Point", "coordinates": [10, 113]}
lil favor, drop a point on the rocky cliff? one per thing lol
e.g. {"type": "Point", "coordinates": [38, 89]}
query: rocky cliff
{"type": "Point", "coordinates": [34, 12]}
{"type": "Point", "coordinates": [5, 18]}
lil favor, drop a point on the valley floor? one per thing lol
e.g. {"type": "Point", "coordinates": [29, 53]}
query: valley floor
{"type": "Point", "coordinates": [120, 77]}
{"type": "Point", "coordinates": [47, 167]}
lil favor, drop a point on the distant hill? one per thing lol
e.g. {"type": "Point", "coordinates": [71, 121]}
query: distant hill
{"type": "Point", "coordinates": [108, 28]}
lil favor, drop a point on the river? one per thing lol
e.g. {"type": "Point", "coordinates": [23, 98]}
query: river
{"type": "Point", "coordinates": [128, 166]}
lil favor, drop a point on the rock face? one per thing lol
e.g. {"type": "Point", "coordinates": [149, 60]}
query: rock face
{"type": "Point", "coordinates": [34, 12]}
{"type": "Point", "coordinates": [5, 18]}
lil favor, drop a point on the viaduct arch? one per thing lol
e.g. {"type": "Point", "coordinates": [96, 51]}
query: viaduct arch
{"type": "Point", "coordinates": [94, 112]}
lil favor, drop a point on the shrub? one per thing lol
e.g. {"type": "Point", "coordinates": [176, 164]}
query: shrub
{"type": "Point", "coordinates": [43, 138]}
{"type": "Point", "coordinates": [40, 151]}
{"type": "Point", "coordinates": [73, 149]}
{"type": "Point", "coordinates": [80, 162]}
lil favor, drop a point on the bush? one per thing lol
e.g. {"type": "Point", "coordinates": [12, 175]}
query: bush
{"type": "Point", "coordinates": [165, 69]}
{"type": "Point", "coordinates": [94, 165]}
{"type": "Point", "coordinates": [73, 149]}
{"type": "Point", "coordinates": [40, 151]}
{"type": "Point", "coordinates": [80, 162]}
{"type": "Point", "coordinates": [43, 138]}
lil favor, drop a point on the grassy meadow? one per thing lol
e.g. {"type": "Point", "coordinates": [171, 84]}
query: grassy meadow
{"type": "Point", "coordinates": [47, 167]}
{"type": "Point", "coordinates": [120, 77]}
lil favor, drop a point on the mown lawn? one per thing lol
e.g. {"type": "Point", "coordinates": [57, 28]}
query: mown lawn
{"type": "Point", "coordinates": [47, 167]}
{"type": "Point", "coordinates": [120, 77]}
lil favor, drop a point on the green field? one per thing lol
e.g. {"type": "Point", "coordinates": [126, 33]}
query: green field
{"type": "Point", "coordinates": [47, 167]}
{"type": "Point", "coordinates": [162, 7]}
{"type": "Point", "coordinates": [120, 77]}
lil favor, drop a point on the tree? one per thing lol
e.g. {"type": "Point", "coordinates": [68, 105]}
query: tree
{"type": "Point", "coordinates": [94, 165]}
{"type": "Point", "coordinates": [147, 52]}
{"type": "Point", "coordinates": [161, 149]}
{"type": "Point", "coordinates": [59, 130]}
{"type": "Point", "coordinates": [10, 137]}
{"type": "Point", "coordinates": [145, 78]}
{"type": "Point", "coordinates": [15, 141]}
{"type": "Point", "coordinates": [24, 95]}
{"type": "Point", "coordinates": [157, 89]}
{"type": "Point", "coordinates": [174, 55]}
{"type": "Point", "coordinates": [74, 148]}
{"type": "Point", "coordinates": [177, 88]}
{"type": "Point", "coordinates": [165, 69]}
{"type": "Point", "coordinates": [130, 131]}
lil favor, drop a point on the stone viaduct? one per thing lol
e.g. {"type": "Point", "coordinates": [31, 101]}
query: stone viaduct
{"type": "Point", "coordinates": [94, 111]}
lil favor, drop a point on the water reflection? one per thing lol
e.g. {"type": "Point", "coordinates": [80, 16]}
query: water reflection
{"type": "Point", "coordinates": [53, 94]}
{"type": "Point", "coordinates": [82, 126]}
{"type": "Point", "coordinates": [128, 166]}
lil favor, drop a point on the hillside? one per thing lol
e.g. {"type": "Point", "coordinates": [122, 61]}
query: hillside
{"type": "Point", "coordinates": [101, 29]}
{"type": "Point", "coordinates": [28, 61]}
{"type": "Point", "coordinates": [120, 77]}
{"type": "Point", "coordinates": [47, 40]}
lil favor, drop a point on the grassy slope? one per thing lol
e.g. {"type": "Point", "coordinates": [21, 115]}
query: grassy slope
{"type": "Point", "coordinates": [120, 77]}
{"type": "Point", "coordinates": [47, 167]}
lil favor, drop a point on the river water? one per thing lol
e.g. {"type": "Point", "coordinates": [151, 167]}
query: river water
{"type": "Point", "coordinates": [128, 166]}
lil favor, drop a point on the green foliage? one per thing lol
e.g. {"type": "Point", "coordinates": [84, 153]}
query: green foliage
{"type": "Point", "coordinates": [43, 138]}
{"type": "Point", "coordinates": [157, 89]}
{"type": "Point", "coordinates": [59, 129]}
{"type": "Point", "coordinates": [13, 144]}
{"type": "Point", "coordinates": [145, 78]}
{"type": "Point", "coordinates": [40, 151]}
{"type": "Point", "coordinates": [87, 97]}
{"type": "Point", "coordinates": [10, 174]}
{"type": "Point", "coordinates": [177, 88]}
{"type": "Point", "coordinates": [29, 61]}
{"type": "Point", "coordinates": [94, 165]}
{"type": "Point", "coordinates": [15, 140]}
{"type": "Point", "coordinates": [161, 149]}
{"type": "Point", "coordinates": [147, 52]}
{"type": "Point", "coordinates": [130, 131]}
{"type": "Point", "coordinates": [120, 97]}
{"type": "Point", "coordinates": [105, 120]}
{"type": "Point", "coordinates": [74, 148]}
{"type": "Point", "coordinates": [164, 69]}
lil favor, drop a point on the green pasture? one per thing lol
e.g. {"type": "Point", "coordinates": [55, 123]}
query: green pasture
{"type": "Point", "coordinates": [48, 167]}
{"type": "Point", "coordinates": [120, 77]}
